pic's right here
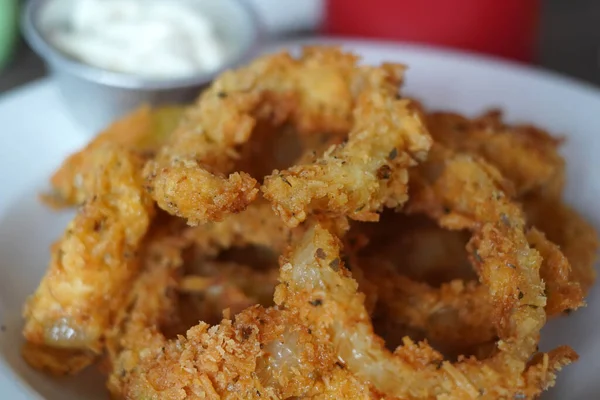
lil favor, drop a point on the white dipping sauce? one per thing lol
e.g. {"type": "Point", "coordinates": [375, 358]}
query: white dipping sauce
{"type": "Point", "coordinates": [149, 38]}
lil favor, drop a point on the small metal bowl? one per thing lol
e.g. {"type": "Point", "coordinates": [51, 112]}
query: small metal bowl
{"type": "Point", "coordinates": [96, 96]}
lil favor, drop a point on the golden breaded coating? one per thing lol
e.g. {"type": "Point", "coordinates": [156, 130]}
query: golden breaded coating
{"type": "Point", "coordinates": [94, 262]}
{"type": "Point", "coordinates": [316, 283]}
{"type": "Point", "coordinates": [264, 353]}
{"type": "Point", "coordinates": [357, 178]}
{"type": "Point", "coordinates": [577, 239]}
{"type": "Point", "coordinates": [529, 158]}
{"type": "Point", "coordinates": [143, 130]}
{"type": "Point", "coordinates": [151, 303]}
{"type": "Point", "coordinates": [516, 294]}
{"type": "Point", "coordinates": [525, 155]}
{"type": "Point", "coordinates": [193, 175]}
{"type": "Point", "coordinates": [563, 290]}
{"type": "Point", "coordinates": [257, 225]}
{"type": "Point", "coordinates": [458, 314]}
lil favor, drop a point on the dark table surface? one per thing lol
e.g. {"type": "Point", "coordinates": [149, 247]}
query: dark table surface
{"type": "Point", "coordinates": [569, 43]}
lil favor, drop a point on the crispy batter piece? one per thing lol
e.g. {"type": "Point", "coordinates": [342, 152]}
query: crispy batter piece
{"type": "Point", "coordinates": [357, 178]}
{"type": "Point", "coordinates": [458, 314]}
{"type": "Point", "coordinates": [577, 239]}
{"type": "Point", "coordinates": [524, 154]}
{"type": "Point", "coordinates": [257, 225]}
{"type": "Point", "coordinates": [263, 353]}
{"type": "Point", "coordinates": [563, 291]}
{"type": "Point", "coordinates": [151, 303]}
{"type": "Point", "coordinates": [144, 130]}
{"type": "Point", "coordinates": [94, 262]}
{"type": "Point", "coordinates": [529, 158]}
{"type": "Point", "coordinates": [414, 371]}
{"type": "Point", "coordinates": [316, 92]}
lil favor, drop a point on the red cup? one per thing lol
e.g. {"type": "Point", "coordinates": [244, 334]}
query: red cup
{"type": "Point", "coordinates": [505, 28]}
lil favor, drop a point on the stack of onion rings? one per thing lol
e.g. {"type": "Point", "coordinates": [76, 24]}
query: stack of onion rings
{"type": "Point", "coordinates": [361, 148]}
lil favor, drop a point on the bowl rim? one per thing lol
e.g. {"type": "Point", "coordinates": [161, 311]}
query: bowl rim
{"type": "Point", "coordinates": [54, 57]}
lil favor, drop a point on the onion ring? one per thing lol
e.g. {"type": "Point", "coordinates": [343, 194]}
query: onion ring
{"type": "Point", "coordinates": [477, 202]}
{"type": "Point", "coordinates": [538, 184]}
{"type": "Point", "coordinates": [315, 93]}
{"type": "Point", "coordinates": [264, 353]}
{"type": "Point", "coordinates": [95, 260]}
{"type": "Point", "coordinates": [527, 156]}
{"type": "Point", "coordinates": [577, 239]}
{"type": "Point", "coordinates": [457, 314]}
{"type": "Point", "coordinates": [357, 178]}
{"type": "Point", "coordinates": [143, 130]}
{"type": "Point", "coordinates": [151, 302]}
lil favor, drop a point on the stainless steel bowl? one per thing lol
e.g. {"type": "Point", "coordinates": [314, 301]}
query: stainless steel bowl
{"type": "Point", "coordinates": [97, 97]}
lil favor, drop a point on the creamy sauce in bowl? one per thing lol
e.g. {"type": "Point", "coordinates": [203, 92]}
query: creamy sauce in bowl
{"type": "Point", "coordinates": [148, 38]}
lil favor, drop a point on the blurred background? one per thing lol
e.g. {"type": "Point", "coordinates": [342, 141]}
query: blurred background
{"type": "Point", "coordinates": [566, 33]}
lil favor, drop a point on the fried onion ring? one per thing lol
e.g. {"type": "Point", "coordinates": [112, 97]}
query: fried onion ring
{"type": "Point", "coordinates": [317, 92]}
{"type": "Point", "coordinates": [95, 260]}
{"type": "Point", "coordinates": [314, 276]}
{"type": "Point", "coordinates": [360, 177]}
{"type": "Point", "coordinates": [151, 302]}
{"type": "Point", "coordinates": [457, 315]}
{"type": "Point", "coordinates": [143, 130]}
{"type": "Point", "coordinates": [263, 353]}
{"type": "Point", "coordinates": [527, 156]}
{"type": "Point", "coordinates": [577, 239]}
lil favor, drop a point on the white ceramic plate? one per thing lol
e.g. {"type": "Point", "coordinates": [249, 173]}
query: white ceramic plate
{"type": "Point", "coordinates": [37, 134]}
